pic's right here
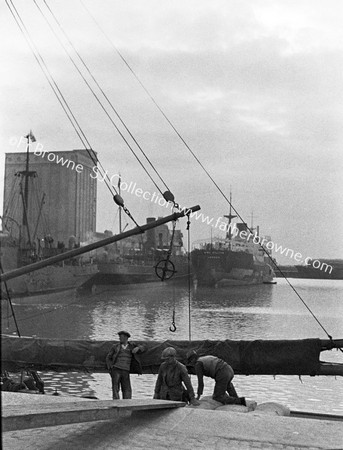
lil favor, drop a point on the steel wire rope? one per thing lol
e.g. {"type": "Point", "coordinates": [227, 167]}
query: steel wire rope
{"type": "Point", "coordinates": [10, 303]}
{"type": "Point", "coordinates": [204, 169]}
{"type": "Point", "coordinates": [96, 96]}
{"type": "Point", "coordinates": [60, 97]}
{"type": "Point", "coordinates": [106, 97]}
{"type": "Point", "coordinates": [79, 131]}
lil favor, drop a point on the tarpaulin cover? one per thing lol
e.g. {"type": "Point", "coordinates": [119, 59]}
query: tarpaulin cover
{"type": "Point", "coordinates": [287, 357]}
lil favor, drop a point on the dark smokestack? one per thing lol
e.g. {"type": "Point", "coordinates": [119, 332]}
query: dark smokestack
{"type": "Point", "coordinates": [150, 235]}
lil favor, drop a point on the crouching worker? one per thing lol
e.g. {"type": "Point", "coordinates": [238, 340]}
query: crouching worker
{"type": "Point", "coordinates": [121, 360]}
{"type": "Point", "coordinates": [170, 377]}
{"type": "Point", "coordinates": [213, 367]}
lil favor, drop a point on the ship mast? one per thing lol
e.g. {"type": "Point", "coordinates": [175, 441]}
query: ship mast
{"type": "Point", "coordinates": [252, 220]}
{"type": "Point", "coordinates": [25, 194]}
{"type": "Point", "coordinates": [230, 216]}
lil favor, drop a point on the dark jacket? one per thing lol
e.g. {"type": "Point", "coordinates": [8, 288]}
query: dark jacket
{"type": "Point", "coordinates": [169, 382]}
{"type": "Point", "coordinates": [136, 366]}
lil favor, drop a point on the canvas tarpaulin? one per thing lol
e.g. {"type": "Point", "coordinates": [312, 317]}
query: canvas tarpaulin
{"type": "Point", "coordinates": [260, 357]}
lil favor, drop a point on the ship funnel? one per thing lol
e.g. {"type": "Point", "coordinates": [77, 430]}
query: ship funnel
{"type": "Point", "coordinates": [241, 227]}
{"type": "Point", "coordinates": [150, 235]}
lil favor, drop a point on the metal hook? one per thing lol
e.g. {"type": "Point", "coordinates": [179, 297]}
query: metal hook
{"type": "Point", "coordinates": [173, 326]}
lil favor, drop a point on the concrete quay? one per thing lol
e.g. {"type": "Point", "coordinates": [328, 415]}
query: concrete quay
{"type": "Point", "coordinates": [181, 428]}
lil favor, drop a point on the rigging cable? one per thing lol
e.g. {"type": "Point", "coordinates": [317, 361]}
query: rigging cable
{"type": "Point", "coordinates": [60, 97]}
{"type": "Point", "coordinates": [103, 93]}
{"type": "Point", "coordinates": [10, 302]}
{"type": "Point", "coordinates": [11, 196]}
{"type": "Point", "coordinates": [175, 130]}
{"type": "Point", "coordinates": [50, 79]}
{"type": "Point", "coordinates": [189, 276]}
{"type": "Point", "coordinates": [39, 205]}
{"type": "Point", "coordinates": [56, 89]}
{"type": "Point", "coordinates": [203, 167]}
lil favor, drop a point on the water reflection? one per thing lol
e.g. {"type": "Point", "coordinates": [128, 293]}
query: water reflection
{"type": "Point", "coordinates": [256, 312]}
{"type": "Point", "coordinates": [240, 296]}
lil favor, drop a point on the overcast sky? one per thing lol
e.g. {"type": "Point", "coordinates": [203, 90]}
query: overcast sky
{"type": "Point", "coordinates": [254, 87]}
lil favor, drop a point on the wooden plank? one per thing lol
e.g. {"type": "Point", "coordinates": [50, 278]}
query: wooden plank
{"type": "Point", "coordinates": [47, 415]}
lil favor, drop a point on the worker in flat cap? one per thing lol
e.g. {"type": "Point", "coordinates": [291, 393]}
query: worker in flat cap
{"type": "Point", "coordinates": [122, 360]}
{"type": "Point", "coordinates": [171, 377]}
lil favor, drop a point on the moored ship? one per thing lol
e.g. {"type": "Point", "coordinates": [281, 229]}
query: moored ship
{"type": "Point", "coordinates": [51, 279]}
{"type": "Point", "coordinates": [320, 269]}
{"type": "Point", "coordinates": [27, 234]}
{"type": "Point", "coordinates": [134, 260]}
{"type": "Point", "coordinates": [330, 269]}
{"type": "Point", "coordinates": [219, 264]}
{"type": "Point", "coordinates": [233, 261]}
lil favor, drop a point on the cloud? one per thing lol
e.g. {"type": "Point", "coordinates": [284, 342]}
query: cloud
{"type": "Point", "coordinates": [255, 88]}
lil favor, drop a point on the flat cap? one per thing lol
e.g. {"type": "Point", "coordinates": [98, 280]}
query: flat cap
{"type": "Point", "coordinates": [125, 332]}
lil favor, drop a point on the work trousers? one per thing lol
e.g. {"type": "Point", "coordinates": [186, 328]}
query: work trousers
{"type": "Point", "coordinates": [223, 379]}
{"type": "Point", "coordinates": [120, 380]}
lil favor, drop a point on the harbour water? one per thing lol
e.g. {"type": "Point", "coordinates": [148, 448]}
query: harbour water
{"type": "Point", "coordinates": [255, 312]}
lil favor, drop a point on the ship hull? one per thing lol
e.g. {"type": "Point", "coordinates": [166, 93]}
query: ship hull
{"type": "Point", "coordinates": [228, 268]}
{"type": "Point", "coordinates": [113, 273]}
{"type": "Point", "coordinates": [330, 271]}
{"type": "Point", "coordinates": [310, 272]}
{"type": "Point", "coordinates": [50, 279]}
